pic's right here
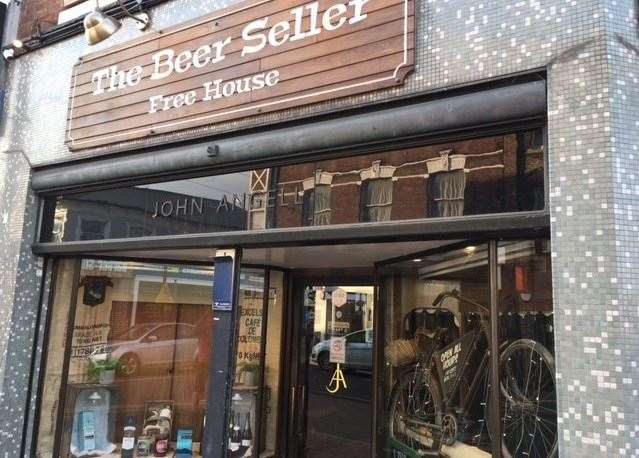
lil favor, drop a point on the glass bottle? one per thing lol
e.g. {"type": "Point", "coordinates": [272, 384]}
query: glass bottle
{"type": "Point", "coordinates": [247, 434]}
{"type": "Point", "coordinates": [234, 441]}
{"type": "Point", "coordinates": [128, 438]}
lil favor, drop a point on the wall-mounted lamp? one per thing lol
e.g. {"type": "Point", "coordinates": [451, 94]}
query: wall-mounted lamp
{"type": "Point", "coordinates": [99, 26]}
{"type": "Point", "coordinates": [15, 49]}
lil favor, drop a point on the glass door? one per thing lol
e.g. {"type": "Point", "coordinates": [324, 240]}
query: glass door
{"type": "Point", "coordinates": [332, 407]}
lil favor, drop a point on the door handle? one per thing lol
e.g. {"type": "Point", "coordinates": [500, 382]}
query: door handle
{"type": "Point", "coordinates": [301, 413]}
{"type": "Point", "coordinates": [293, 398]}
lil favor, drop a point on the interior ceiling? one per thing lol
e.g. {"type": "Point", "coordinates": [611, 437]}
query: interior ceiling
{"type": "Point", "coordinates": [301, 257]}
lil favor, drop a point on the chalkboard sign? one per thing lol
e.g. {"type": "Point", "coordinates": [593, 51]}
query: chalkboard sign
{"type": "Point", "coordinates": [451, 360]}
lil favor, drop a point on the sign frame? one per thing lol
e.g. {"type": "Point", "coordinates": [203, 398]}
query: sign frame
{"type": "Point", "coordinates": [316, 69]}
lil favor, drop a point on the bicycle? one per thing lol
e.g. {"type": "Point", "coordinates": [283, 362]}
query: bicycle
{"type": "Point", "coordinates": [427, 405]}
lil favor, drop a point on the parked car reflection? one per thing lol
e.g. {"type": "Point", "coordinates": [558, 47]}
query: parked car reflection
{"type": "Point", "coordinates": [359, 351]}
{"type": "Point", "coordinates": [154, 345]}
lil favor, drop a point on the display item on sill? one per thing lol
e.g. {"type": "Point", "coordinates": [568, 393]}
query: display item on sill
{"type": "Point", "coordinates": [184, 443]}
{"type": "Point", "coordinates": [161, 446]}
{"type": "Point", "coordinates": [157, 425]}
{"type": "Point", "coordinates": [145, 444]}
{"type": "Point", "coordinates": [89, 432]}
{"type": "Point", "coordinates": [247, 434]}
{"type": "Point", "coordinates": [128, 438]}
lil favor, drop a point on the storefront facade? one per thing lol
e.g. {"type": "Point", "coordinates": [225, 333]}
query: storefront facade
{"type": "Point", "coordinates": [319, 260]}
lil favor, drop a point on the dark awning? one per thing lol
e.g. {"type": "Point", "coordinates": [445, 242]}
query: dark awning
{"type": "Point", "coordinates": [365, 130]}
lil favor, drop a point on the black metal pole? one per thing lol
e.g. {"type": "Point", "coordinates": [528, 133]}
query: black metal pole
{"type": "Point", "coordinates": [257, 433]}
{"type": "Point", "coordinates": [222, 363]}
{"type": "Point", "coordinates": [495, 416]}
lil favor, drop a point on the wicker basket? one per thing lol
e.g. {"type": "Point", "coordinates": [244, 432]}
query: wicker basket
{"type": "Point", "coordinates": [401, 352]}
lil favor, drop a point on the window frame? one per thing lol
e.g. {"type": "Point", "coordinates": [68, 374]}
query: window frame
{"type": "Point", "coordinates": [494, 359]}
{"type": "Point", "coordinates": [54, 264]}
{"type": "Point", "coordinates": [524, 223]}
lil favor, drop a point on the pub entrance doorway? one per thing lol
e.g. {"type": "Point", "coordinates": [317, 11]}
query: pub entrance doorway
{"type": "Point", "coordinates": [329, 381]}
{"type": "Point", "coordinates": [331, 373]}
{"type": "Point", "coordinates": [330, 298]}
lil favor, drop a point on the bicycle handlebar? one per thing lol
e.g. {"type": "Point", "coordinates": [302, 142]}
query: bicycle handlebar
{"type": "Point", "coordinates": [455, 295]}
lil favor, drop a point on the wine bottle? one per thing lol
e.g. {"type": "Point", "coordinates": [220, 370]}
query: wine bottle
{"type": "Point", "coordinates": [231, 418]}
{"type": "Point", "coordinates": [128, 438]}
{"type": "Point", "coordinates": [235, 437]}
{"type": "Point", "coordinates": [247, 434]}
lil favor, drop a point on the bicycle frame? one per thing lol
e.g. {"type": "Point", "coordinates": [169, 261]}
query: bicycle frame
{"type": "Point", "coordinates": [465, 400]}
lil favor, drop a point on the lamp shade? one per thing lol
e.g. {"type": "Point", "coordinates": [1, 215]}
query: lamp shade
{"type": "Point", "coordinates": [99, 26]}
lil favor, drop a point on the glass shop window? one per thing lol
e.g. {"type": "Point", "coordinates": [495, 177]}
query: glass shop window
{"type": "Point", "coordinates": [254, 403]}
{"type": "Point", "coordinates": [527, 363]}
{"type": "Point", "coordinates": [437, 377]}
{"type": "Point", "coordinates": [437, 383]}
{"type": "Point", "coordinates": [93, 229]}
{"type": "Point", "coordinates": [127, 363]}
{"type": "Point", "coordinates": [495, 174]}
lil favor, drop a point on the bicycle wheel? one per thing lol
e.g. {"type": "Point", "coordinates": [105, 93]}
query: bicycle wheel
{"type": "Point", "coordinates": [529, 400]}
{"type": "Point", "coordinates": [415, 396]}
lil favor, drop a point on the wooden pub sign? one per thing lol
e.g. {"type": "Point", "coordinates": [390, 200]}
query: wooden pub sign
{"type": "Point", "coordinates": [253, 57]}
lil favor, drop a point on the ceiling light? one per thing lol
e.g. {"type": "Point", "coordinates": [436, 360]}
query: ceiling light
{"type": "Point", "coordinates": [417, 260]}
{"type": "Point", "coordinates": [470, 250]}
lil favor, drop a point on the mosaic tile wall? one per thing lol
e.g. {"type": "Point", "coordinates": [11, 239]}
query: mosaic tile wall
{"type": "Point", "coordinates": [594, 140]}
{"type": "Point", "coordinates": [590, 50]}
{"type": "Point", "coordinates": [20, 286]}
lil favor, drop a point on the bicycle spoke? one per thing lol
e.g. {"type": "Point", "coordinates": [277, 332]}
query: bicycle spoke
{"type": "Point", "coordinates": [413, 401]}
{"type": "Point", "coordinates": [529, 407]}
{"type": "Point", "coordinates": [549, 427]}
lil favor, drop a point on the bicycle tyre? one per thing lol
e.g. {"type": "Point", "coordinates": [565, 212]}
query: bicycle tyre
{"type": "Point", "coordinates": [399, 404]}
{"type": "Point", "coordinates": [518, 401]}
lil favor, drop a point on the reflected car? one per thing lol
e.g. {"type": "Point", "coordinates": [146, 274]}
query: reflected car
{"type": "Point", "coordinates": [154, 345]}
{"type": "Point", "coordinates": [359, 351]}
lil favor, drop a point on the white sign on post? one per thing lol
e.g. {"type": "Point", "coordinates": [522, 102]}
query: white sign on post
{"type": "Point", "coordinates": [338, 350]}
